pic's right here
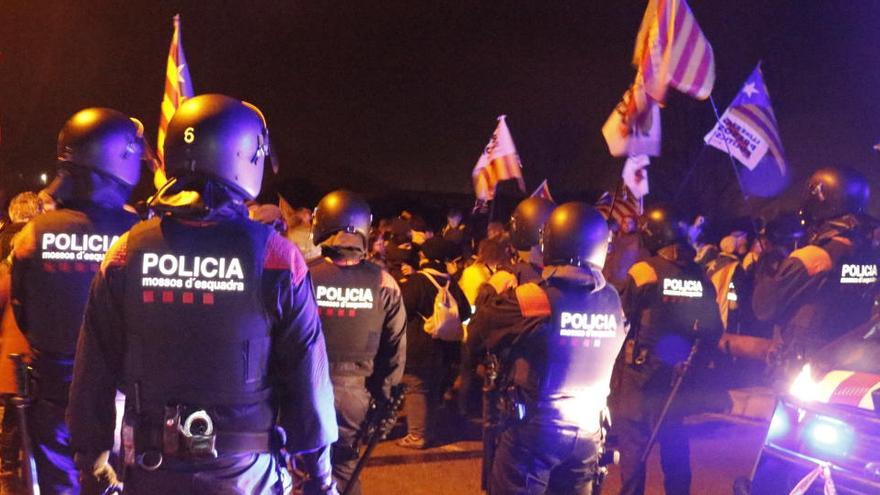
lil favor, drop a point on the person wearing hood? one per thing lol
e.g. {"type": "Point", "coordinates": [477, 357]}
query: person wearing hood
{"type": "Point", "coordinates": [55, 257]}
{"type": "Point", "coordinates": [207, 321]}
{"type": "Point", "coordinates": [556, 339]}
{"type": "Point", "coordinates": [670, 304]}
{"type": "Point", "coordinates": [363, 321]}
{"type": "Point", "coordinates": [428, 360]}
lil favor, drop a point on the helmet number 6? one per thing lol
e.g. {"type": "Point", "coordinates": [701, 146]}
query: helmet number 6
{"type": "Point", "coordinates": [189, 135]}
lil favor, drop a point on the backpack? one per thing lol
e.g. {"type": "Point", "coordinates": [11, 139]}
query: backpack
{"type": "Point", "coordinates": [444, 324]}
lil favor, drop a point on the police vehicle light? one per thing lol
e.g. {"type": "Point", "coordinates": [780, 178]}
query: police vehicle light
{"type": "Point", "coordinates": [829, 436]}
{"type": "Point", "coordinates": [780, 424]}
{"type": "Point", "coordinates": [804, 386]}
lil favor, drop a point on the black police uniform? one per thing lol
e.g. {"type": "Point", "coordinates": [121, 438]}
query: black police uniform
{"type": "Point", "coordinates": [364, 324]}
{"type": "Point", "coordinates": [55, 258]}
{"type": "Point", "coordinates": [561, 337]}
{"type": "Point", "coordinates": [665, 296]}
{"type": "Point", "coordinates": [820, 290]}
{"type": "Point", "coordinates": [212, 314]}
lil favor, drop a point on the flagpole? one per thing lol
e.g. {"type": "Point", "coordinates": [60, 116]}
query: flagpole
{"type": "Point", "coordinates": [690, 172]}
{"type": "Point", "coordinates": [735, 171]}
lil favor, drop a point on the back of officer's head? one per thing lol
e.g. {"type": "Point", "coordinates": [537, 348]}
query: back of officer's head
{"type": "Point", "coordinates": [663, 226]}
{"type": "Point", "coordinates": [833, 192]}
{"type": "Point", "coordinates": [219, 138]}
{"type": "Point", "coordinates": [575, 234]}
{"type": "Point", "coordinates": [99, 153]}
{"type": "Point", "coordinates": [527, 221]}
{"type": "Point", "coordinates": [342, 212]}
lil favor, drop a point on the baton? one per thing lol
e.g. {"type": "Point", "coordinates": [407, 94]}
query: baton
{"type": "Point", "coordinates": [685, 366]}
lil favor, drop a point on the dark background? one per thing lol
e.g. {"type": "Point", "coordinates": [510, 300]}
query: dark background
{"type": "Point", "coordinates": [402, 95]}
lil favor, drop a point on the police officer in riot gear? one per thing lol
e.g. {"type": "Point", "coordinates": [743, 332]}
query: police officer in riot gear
{"type": "Point", "coordinates": [363, 320]}
{"type": "Point", "coordinates": [826, 287]}
{"type": "Point", "coordinates": [559, 337]}
{"type": "Point", "coordinates": [669, 303]}
{"type": "Point", "coordinates": [526, 225]}
{"type": "Point", "coordinates": [189, 313]}
{"type": "Point", "coordinates": [55, 257]}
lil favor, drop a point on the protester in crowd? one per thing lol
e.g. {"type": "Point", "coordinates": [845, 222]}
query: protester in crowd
{"type": "Point", "coordinates": [625, 250]}
{"type": "Point", "coordinates": [22, 209]}
{"type": "Point", "coordinates": [495, 230]}
{"type": "Point", "coordinates": [491, 253]}
{"type": "Point", "coordinates": [299, 233]}
{"type": "Point", "coordinates": [400, 254]}
{"type": "Point", "coordinates": [428, 360]}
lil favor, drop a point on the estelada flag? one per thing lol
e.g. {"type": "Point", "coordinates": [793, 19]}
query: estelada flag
{"type": "Point", "coordinates": [543, 192]}
{"type": "Point", "coordinates": [671, 50]}
{"type": "Point", "coordinates": [178, 87]}
{"type": "Point", "coordinates": [498, 162]}
{"type": "Point", "coordinates": [749, 132]}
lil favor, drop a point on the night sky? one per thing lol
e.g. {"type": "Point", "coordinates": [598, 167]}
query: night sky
{"type": "Point", "coordinates": [403, 95]}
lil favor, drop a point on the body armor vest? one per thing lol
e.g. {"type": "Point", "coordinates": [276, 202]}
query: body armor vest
{"type": "Point", "coordinates": [570, 357]}
{"type": "Point", "coordinates": [70, 247]}
{"type": "Point", "coordinates": [682, 296]}
{"type": "Point", "coordinates": [846, 295]}
{"type": "Point", "coordinates": [199, 332]}
{"type": "Point", "coordinates": [351, 309]}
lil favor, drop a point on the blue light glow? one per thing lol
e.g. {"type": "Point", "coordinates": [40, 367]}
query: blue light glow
{"type": "Point", "coordinates": [829, 436]}
{"type": "Point", "coordinates": [780, 424]}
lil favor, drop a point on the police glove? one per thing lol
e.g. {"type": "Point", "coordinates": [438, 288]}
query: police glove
{"type": "Point", "coordinates": [96, 474]}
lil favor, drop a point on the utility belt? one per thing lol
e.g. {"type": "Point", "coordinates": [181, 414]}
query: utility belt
{"type": "Point", "coordinates": [188, 434]}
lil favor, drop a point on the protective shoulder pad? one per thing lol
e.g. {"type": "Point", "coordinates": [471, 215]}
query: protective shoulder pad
{"type": "Point", "coordinates": [533, 301]}
{"type": "Point", "coordinates": [643, 274]}
{"type": "Point", "coordinates": [815, 259]}
{"type": "Point", "coordinates": [117, 255]}
{"type": "Point", "coordinates": [282, 255]}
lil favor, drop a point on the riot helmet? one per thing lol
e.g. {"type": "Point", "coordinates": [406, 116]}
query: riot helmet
{"type": "Point", "coordinates": [832, 192]}
{"type": "Point", "coordinates": [662, 226]}
{"type": "Point", "coordinates": [105, 141]}
{"type": "Point", "coordinates": [341, 211]}
{"type": "Point", "coordinates": [218, 137]}
{"type": "Point", "coordinates": [527, 221]}
{"type": "Point", "coordinates": [575, 234]}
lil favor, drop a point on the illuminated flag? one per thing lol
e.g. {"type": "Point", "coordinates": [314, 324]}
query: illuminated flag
{"type": "Point", "coordinates": [178, 87]}
{"type": "Point", "coordinates": [543, 191]}
{"type": "Point", "coordinates": [619, 206]}
{"type": "Point", "coordinates": [635, 175]}
{"type": "Point", "coordinates": [498, 162]}
{"type": "Point", "coordinates": [749, 132]}
{"type": "Point", "coordinates": [670, 50]}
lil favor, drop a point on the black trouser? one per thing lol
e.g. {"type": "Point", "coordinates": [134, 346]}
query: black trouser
{"type": "Point", "coordinates": [536, 457]}
{"type": "Point", "coordinates": [423, 399]}
{"type": "Point", "coordinates": [226, 475]}
{"type": "Point", "coordinates": [10, 437]}
{"type": "Point", "coordinates": [637, 402]}
{"type": "Point", "coordinates": [352, 400]}
{"type": "Point", "coordinates": [50, 437]}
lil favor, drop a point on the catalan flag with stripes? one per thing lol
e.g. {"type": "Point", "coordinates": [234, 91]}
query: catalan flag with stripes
{"type": "Point", "coordinates": [498, 162]}
{"type": "Point", "coordinates": [620, 205]}
{"type": "Point", "coordinates": [671, 50]}
{"type": "Point", "coordinates": [748, 132]}
{"type": "Point", "coordinates": [178, 87]}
